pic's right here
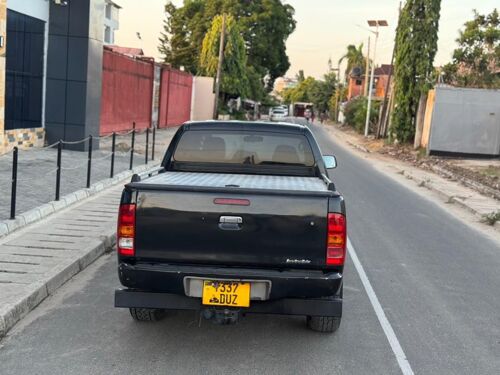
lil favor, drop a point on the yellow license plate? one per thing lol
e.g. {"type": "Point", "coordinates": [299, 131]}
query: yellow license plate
{"type": "Point", "coordinates": [226, 293]}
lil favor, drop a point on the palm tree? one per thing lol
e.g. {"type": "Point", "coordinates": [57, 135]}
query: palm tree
{"type": "Point", "coordinates": [354, 57]}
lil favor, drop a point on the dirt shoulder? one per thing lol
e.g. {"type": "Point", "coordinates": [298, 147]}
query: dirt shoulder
{"type": "Point", "coordinates": [482, 175]}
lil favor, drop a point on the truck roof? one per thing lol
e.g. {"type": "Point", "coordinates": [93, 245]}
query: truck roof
{"type": "Point", "coordinates": [280, 127]}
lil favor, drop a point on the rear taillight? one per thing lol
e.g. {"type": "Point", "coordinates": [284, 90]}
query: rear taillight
{"type": "Point", "coordinates": [126, 230]}
{"type": "Point", "coordinates": [336, 240]}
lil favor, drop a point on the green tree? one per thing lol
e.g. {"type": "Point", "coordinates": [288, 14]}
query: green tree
{"type": "Point", "coordinates": [303, 92]}
{"type": "Point", "coordinates": [354, 57]}
{"type": "Point", "coordinates": [300, 76]}
{"type": "Point", "coordinates": [340, 96]}
{"type": "Point", "coordinates": [234, 67]}
{"type": "Point", "coordinates": [177, 44]}
{"type": "Point", "coordinates": [416, 46]}
{"type": "Point", "coordinates": [310, 90]}
{"type": "Point", "coordinates": [355, 113]}
{"type": "Point", "coordinates": [322, 92]}
{"type": "Point", "coordinates": [476, 61]}
{"type": "Point", "coordinates": [265, 26]}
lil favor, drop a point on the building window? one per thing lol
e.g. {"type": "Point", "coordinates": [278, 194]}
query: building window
{"type": "Point", "coordinates": [108, 11]}
{"type": "Point", "coordinates": [24, 71]}
{"type": "Point", "coordinates": [115, 14]}
{"type": "Point", "coordinates": [359, 82]}
{"type": "Point", "coordinates": [107, 35]}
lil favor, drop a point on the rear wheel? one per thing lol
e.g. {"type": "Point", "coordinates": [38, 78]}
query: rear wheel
{"type": "Point", "coordinates": [146, 315]}
{"type": "Point", "coordinates": [326, 324]}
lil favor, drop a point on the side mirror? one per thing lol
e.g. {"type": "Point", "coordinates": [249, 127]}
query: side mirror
{"type": "Point", "coordinates": [330, 161]}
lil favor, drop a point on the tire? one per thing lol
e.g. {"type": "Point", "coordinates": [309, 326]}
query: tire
{"type": "Point", "coordinates": [146, 315]}
{"type": "Point", "coordinates": [325, 324]}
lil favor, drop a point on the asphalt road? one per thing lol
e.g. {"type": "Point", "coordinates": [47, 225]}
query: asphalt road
{"type": "Point", "coordinates": [436, 279]}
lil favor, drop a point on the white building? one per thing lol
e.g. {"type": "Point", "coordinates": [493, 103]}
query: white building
{"type": "Point", "coordinates": [111, 21]}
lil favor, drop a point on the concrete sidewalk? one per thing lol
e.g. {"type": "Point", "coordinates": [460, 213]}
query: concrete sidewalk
{"type": "Point", "coordinates": [450, 191]}
{"type": "Point", "coordinates": [38, 259]}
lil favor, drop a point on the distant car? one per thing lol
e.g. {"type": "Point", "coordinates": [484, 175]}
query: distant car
{"type": "Point", "coordinates": [278, 114]}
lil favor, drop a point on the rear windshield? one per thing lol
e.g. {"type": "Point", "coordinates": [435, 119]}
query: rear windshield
{"type": "Point", "coordinates": [237, 147]}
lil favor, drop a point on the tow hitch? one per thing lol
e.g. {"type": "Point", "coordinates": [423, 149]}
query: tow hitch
{"type": "Point", "coordinates": [221, 316]}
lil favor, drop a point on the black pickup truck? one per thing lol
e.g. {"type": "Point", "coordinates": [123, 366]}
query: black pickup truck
{"type": "Point", "coordinates": [241, 218]}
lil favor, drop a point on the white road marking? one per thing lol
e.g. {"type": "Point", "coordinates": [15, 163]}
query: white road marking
{"type": "Point", "coordinates": [404, 365]}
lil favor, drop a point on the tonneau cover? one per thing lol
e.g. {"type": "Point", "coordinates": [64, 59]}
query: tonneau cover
{"type": "Point", "coordinates": [221, 180]}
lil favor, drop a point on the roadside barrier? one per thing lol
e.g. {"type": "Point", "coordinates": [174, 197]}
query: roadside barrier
{"type": "Point", "coordinates": [88, 162]}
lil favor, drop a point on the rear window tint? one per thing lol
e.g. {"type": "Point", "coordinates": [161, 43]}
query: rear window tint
{"type": "Point", "coordinates": [257, 148]}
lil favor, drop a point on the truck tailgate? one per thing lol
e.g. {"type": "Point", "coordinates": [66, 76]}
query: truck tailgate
{"type": "Point", "coordinates": [203, 227]}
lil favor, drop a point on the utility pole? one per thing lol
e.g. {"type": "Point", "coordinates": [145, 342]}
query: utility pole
{"type": "Point", "coordinates": [370, 90]}
{"type": "Point", "coordinates": [219, 67]}
{"type": "Point", "coordinates": [337, 94]}
{"type": "Point", "coordinates": [382, 118]}
{"type": "Point", "coordinates": [367, 68]}
{"type": "Point", "coordinates": [382, 124]}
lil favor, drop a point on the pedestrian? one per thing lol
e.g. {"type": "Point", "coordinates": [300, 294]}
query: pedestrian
{"type": "Point", "coordinates": [313, 116]}
{"type": "Point", "coordinates": [307, 114]}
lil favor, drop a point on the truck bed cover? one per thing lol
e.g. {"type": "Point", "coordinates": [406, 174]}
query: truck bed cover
{"type": "Point", "coordinates": [242, 181]}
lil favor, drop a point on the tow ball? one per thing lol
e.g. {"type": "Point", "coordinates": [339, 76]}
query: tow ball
{"type": "Point", "coordinates": [221, 316]}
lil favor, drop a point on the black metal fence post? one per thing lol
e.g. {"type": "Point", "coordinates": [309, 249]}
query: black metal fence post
{"type": "Point", "coordinates": [146, 154]}
{"type": "Point", "coordinates": [132, 150]}
{"type": "Point", "coordinates": [153, 145]}
{"type": "Point", "coordinates": [89, 163]}
{"type": "Point", "coordinates": [13, 191]}
{"type": "Point", "coordinates": [58, 174]}
{"type": "Point", "coordinates": [113, 144]}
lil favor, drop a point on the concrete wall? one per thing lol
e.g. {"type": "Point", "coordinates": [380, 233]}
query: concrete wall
{"type": "Point", "coordinates": [429, 108]}
{"type": "Point", "coordinates": [155, 108]}
{"type": "Point", "coordinates": [202, 99]}
{"type": "Point", "coordinates": [466, 121]}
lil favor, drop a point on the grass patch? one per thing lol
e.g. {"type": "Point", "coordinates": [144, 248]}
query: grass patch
{"type": "Point", "coordinates": [491, 171]}
{"type": "Point", "coordinates": [491, 218]}
{"type": "Point", "coordinates": [421, 153]}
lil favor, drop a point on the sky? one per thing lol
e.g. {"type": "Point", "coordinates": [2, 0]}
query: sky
{"type": "Point", "coordinates": [324, 28]}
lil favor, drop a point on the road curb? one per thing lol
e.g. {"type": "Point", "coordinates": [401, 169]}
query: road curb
{"type": "Point", "coordinates": [35, 293]}
{"type": "Point", "coordinates": [359, 147]}
{"type": "Point", "coordinates": [36, 214]}
{"type": "Point", "coordinates": [448, 198]}
{"type": "Point", "coordinates": [12, 313]}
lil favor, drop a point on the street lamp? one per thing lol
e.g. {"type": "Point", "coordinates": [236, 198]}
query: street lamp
{"type": "Point", "coordinates": [376, 24]}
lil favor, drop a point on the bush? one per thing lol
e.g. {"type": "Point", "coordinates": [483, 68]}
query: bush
{"type": "Point", "coordinates": [355, 113]}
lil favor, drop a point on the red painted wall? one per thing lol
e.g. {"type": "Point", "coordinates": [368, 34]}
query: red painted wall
{"type": "Point", "coordinates": [127, 86]}
{"type": "Point", "coordinates": [175, 97]}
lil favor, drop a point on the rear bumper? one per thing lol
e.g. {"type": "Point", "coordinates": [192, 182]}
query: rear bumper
{"type": "Point", "coordinates": [166, 278]}
{"type": "Point", "coordinates": [285, 306]}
